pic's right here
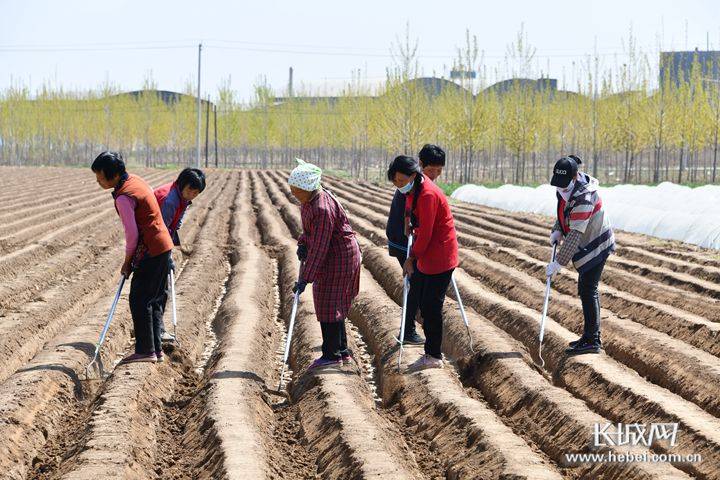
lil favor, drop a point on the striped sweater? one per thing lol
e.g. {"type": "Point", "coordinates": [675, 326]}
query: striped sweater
{"type": "Point", "coordinates": [589, 238]}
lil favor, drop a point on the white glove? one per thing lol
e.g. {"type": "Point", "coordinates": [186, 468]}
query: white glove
{"type": "Point", "coordinates": [555, 237]}
{"type": "Point", "coordinates": [552, 269]}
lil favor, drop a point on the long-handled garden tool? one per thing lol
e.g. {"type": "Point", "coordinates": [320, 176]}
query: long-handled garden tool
{"type": "Point", "coordinates": [106, 327]}
{"type": "Point", "coordinates": [462, 312]}
{"type": "Point", "coordinates": [171, 278]}
{"type": "Point", "coordinates": [545, 309]}
{"type": "Point", "coordinates": [406, 290]}
{"type": "Point", "coordinates": [293, 314]}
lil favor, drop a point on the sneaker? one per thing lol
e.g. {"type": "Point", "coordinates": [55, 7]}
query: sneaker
{"type": "Point", "coordinates": [140, 357]}
{"type": "Point", "coordinates": [165, 337]}
{"type": "Point", "coordinates": [581, 339]}
{"type": "Point", "coordinates": [413, 339]}
{"type": "Point", "coordinates": [323, 363]}
{"type": "Point", "coordinates": [584, 347]}
{"type": "Point", "coordinates": [428, 361]}
{"type": "Point", "coordinates": [346, 358]}
{"type": "Point", "coordinates": [160, 356]}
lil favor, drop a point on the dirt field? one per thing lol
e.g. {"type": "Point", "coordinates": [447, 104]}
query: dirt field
{"type": "Point", "coordinates": [210, 412]}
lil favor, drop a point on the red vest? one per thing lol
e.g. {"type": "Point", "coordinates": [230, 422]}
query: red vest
{"type": "Point", "coordinates": [161, 194]}
{"type": "Point", "coordinates": [153, 234]}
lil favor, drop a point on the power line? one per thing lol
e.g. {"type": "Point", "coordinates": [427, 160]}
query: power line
{"type": "Point", "coordinates": [290, 49]}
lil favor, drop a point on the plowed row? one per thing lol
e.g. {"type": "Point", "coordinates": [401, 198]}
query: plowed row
{"type": "Point", "coordinates": [212, 411]}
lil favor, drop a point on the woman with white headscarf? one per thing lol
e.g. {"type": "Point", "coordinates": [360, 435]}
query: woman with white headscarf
{"type": "Point", "coordinates": [330, 258]}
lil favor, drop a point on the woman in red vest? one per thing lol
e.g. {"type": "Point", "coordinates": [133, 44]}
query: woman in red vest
{"type": "Point", "coordinates": [174, 198]}
{"type": "Point", "coordinates": [147, 250]}
{"type": "Point", "coordinates": [434, 250]}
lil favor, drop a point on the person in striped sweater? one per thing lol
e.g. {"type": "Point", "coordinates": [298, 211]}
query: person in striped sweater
{"type": "Point", "coordinates": [586, 237]}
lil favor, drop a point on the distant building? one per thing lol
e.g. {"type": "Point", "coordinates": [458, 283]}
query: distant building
{"type": "Point", "coordinates": [677, 66]}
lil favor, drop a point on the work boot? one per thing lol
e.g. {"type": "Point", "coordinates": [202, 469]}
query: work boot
{"type": "Point", "coordinates": [585, 346]}
{"type": "Point", "coordinates": [413, 338]}
{"type": "Point", "coordinates": [575, 342]}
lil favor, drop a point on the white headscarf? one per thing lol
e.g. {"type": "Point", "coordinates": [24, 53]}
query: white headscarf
{"type": "Point", "coordinates": [305, 176]}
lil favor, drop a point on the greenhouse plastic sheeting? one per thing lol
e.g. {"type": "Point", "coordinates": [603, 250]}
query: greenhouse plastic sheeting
{"type": "Point", "coordinates": [667, 211]}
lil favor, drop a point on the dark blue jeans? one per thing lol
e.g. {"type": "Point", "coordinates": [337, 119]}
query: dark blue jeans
{"type": "Point", "coordinates": [590, 298]}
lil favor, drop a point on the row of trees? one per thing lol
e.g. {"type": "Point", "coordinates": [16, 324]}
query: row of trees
{"type": "Point", "coordinates": [625, 127]}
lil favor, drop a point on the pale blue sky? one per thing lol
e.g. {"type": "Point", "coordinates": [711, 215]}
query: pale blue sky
{"type": "Point", "coordinates": [323, 40]}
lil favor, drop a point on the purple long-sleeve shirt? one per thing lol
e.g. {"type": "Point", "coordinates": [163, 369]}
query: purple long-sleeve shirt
{"type": "Point", "coordinates": [126, 208]}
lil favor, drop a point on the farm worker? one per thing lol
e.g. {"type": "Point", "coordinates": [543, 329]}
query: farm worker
{"type": "Point", "coordinates": [434, 252]}
{"type": "Point", "coordinates": [330, 257]}
{"type": "Point", "coordinates": [174, 198]}
{"type": "Point", "coordinates": [147, 250]}
{"type": "Point", "coordinates": [587, 238]}
{"type": "Point", "coordinates": [432, 161]}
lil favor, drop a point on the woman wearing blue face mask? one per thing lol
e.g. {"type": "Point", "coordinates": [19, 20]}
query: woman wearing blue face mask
{"type": "Point", "coordinates": [434, 253]}
{"type": "Point", "coordinates": [587, 238]}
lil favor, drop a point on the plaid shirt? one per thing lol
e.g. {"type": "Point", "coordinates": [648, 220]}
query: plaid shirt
{"type": "Point", "coordinates": [333, 260]}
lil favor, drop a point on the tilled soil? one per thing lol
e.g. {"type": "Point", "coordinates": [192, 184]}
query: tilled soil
{"type": "Point", "coordinates": [212, 409]}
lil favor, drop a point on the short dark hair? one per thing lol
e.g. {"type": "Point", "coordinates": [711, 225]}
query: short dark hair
{"type": "Point", "coordinates": [193, 178]}
{"type": "Point", "coordinates": [109, 163]}
{"type": "Point", "coordinates": [403, 164]}
{"type": "Point", "coordinates": [431, 155]}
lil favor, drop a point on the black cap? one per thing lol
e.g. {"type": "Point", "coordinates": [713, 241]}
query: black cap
{"type": "Point", "coordinates": [564, 171]}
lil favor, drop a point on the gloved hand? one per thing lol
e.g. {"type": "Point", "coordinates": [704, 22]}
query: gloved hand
{"type": "Point", "coordinates": [171, 264]}
{"type": "Point", "coordinates": [555, 237]}
{"type": "Point", "coordinates": [299, 287]}
{"type": "Point", "coordinates": [552, 269]}
{"type": "Point", "coordinates": [302, 252]}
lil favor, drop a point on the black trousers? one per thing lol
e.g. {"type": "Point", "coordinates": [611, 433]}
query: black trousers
{"type": "Point", "coordinates": [334, 337]}
{"type": "Point", "coordinates": [159, 306]}
{"type": "Point", "coordinates": [148, 284]}
{"type": "Point", "coordinates": [432, 298]}
{"type": "Point", "coordinates": [413, 301]}
{"type": "Point", "coordinates": [590, 298]}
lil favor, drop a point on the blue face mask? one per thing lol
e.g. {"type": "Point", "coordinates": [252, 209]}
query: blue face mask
{"type": "Point", "coordinates": [407, 187]}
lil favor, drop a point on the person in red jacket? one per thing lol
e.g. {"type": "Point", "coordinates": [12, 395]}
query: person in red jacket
{"type": "Point", "coordinates": [147, 249]}
{"type": "Point", "coordinates": [174, 198]}
{"type": "Point", "coordinates": [434, 250]}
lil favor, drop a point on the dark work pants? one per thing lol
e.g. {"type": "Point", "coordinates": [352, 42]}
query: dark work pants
{"type": "Point", "coordinates": [413, 298]}
{"type": "Point", "coordinates": [432, 299]}
{"type": "Point", "coordinates": [590, 298]}
{"type": "Point", "coordinates": [159, 306]}
{"type": "Point", "coordinates": [334, 343]}
{"type": "Point", "coordinates": [148, 284]}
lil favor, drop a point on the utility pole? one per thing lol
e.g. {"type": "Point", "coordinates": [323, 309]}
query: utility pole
{"type": "Point", "coordinates": [197, 136]}
{"type": "Point", "coordinates": [215, 129]}
{"type": "Point", "coordinates": [207, 129]}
